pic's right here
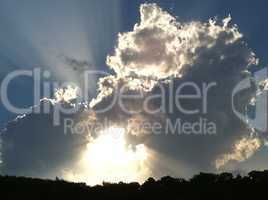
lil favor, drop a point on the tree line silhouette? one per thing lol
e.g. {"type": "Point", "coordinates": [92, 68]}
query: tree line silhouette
{"type": "Point", "coordinates": [201, 186]}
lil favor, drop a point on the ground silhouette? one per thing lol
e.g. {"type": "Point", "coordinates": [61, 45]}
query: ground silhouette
{"type": "Point", "coordinates": [201, 186]}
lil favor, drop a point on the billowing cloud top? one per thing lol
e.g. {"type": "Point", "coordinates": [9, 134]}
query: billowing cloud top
{"type": "Point", "coordinates": [159, 46]}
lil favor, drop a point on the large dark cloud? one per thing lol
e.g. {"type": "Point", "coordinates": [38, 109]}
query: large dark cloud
{"type": "Point", "coordinates": [159, 47]}
{"type": "Point", "coordinates": [33, 146]}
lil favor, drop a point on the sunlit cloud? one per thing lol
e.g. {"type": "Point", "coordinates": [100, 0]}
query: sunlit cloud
{"type": "Point", "coordinates": [242, 150]}
{"type": "Point", "coordinates": [109, 158]}
{"type": "Point", "coordinates": [66, 94]}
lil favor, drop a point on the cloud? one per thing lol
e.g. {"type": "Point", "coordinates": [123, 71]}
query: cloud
{"type": "Point", "coordinates": [160, 52]}
{"type": "Point", "coordinates": [170, 52]}
{"type": "Point", "coordinates": [243, 150]}
{"type": "Point", "coordinates": [33, 146]}
{"type": "Point", "coordinates": [77, 65]}
{"type": "Point", "coordinates": [159, 46]}
{"type": "Point", "coordinates": [66, 94]}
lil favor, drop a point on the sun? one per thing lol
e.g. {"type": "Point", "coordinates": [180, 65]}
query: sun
{"type": "Point", "coordinates": [109, 158]}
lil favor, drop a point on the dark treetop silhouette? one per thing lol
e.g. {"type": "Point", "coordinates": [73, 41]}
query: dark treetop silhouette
{"type": "Point", "coordinates": [201, 186]}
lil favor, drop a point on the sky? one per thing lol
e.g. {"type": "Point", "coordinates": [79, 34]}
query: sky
{"type": "Point", "coordinates": [38, 33]}
{"type": "Point", "coordinates": [65, 36]}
